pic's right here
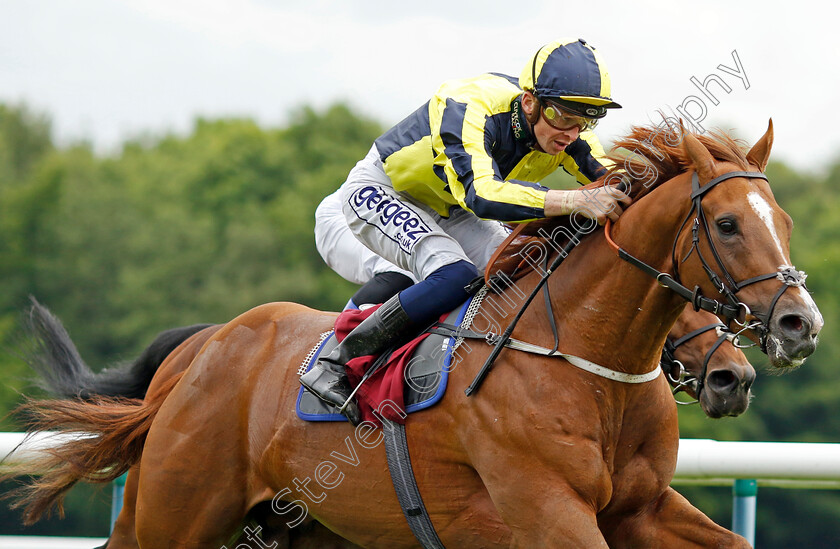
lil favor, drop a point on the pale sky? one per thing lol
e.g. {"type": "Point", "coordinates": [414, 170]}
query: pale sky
{"type": "Point", "coordinates": [109, 70]}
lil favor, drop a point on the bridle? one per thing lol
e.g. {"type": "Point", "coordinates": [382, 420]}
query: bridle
{"type": "Point", "coordinates": [730, 312]}
{"type": "Point", "coordinates": [684, 380]}
{"type": "Point", "coordinates": [725, 285]}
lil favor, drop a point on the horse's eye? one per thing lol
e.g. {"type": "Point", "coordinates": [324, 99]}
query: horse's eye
{"type": "Point", "coordinates": [727, 226]}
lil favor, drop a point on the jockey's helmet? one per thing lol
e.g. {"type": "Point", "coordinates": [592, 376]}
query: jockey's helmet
{"type": "Point", "coordinates": [572, 74]}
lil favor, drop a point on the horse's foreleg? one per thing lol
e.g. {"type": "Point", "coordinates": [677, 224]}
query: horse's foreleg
{"type": "Point", "coordinates": [670, 521]}
{"type": "Point", "coordinates": [558, 519]}
{"type": "Point", "coordinates": [569, 524]}
{"type": "Point", "coordinates": [273, 532]}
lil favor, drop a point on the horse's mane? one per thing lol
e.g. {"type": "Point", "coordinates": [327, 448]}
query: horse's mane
{"type": "Point", "coordinates": [653, 154]}
{"type": "Point", "coordinates": [644, 158]}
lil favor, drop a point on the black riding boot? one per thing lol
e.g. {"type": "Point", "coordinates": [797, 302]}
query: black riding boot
{"type": "Point", "coordinates": [327, 379]}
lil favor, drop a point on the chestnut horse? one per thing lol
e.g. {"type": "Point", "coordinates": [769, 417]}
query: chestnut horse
{"type": "Point", "coordinates": [545, 455]}
{"type": "Point", "coordinates": [725, 372]}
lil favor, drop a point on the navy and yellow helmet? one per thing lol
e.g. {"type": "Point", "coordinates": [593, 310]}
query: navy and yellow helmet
{"type": "Point", "coordinates": [571, 73]}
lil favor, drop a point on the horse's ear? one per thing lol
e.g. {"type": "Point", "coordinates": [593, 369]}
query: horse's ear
{"type": "Point", "coordinates": [759, 155]}
{"type": "Point", "coordinates": [699, 155]}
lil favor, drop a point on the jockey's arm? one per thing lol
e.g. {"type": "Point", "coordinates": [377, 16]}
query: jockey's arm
{"type": "Point", "coordinates": [477, 185]}
{"type": "Point", "coordinates": [473, 174]}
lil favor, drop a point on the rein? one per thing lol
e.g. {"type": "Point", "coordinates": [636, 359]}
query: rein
{"type": "Point", "coordinates": [727, 287]}
{"type": "Point", "coordinates": [503, 339]}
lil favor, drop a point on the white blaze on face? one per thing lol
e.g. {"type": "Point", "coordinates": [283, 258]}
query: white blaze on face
{"type": "Point", "coordinates": [765, 213]}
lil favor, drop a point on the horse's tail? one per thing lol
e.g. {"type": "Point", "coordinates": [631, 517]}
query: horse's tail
{"type": "Point", "coordinates": [64, 374]}
{"type": "Point", "coordinates": [105, 437]}
{"type": "Point", "coordinates": [103, 413]}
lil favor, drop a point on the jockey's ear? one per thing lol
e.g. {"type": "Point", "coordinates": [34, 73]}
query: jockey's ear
{"type": "Point", "coordinates": [529, 105]}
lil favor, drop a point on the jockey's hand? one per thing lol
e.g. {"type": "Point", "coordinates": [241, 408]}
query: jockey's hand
{"type": "Point", "coordinates": [598, 204]}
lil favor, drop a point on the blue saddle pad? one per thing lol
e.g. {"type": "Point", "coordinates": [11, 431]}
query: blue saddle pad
{"type": "Point", "coordinates": [428, 374]}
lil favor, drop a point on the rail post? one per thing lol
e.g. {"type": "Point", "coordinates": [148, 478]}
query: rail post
{"type": "Point", "coordinates": [744, 495]}
{"type": "Point", "coordinates": [117, 493]}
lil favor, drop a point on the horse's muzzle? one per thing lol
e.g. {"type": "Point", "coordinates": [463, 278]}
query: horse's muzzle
{"type": "Point", "coordinates": [726, 391]}
{"type": "Point", "coordinates": [793, 334]}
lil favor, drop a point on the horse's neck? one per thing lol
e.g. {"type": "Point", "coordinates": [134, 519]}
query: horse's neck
{"type": "Point", "coordinates": [607, 310]}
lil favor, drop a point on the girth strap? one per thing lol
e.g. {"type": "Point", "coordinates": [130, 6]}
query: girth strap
{"type": "Point", "coordinates": [402, 475]}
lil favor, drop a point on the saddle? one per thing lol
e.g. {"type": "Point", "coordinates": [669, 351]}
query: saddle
{"type": "Point", "coordinates": [407, 379]}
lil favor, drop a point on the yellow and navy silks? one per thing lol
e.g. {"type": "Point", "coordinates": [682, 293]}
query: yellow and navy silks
{"type": "Point", "coordinates": [471, 147]}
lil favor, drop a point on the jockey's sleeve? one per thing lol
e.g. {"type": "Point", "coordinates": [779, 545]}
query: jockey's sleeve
{"type": "Point", "coordinates": [474, 177]}
{"type": "Point", "coordinates": [470, 147]}
{"type": "Point", "coordinates": [472, 173]}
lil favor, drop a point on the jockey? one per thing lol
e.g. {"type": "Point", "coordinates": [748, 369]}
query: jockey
{"type": "Point", "coordinates": [431, 195]}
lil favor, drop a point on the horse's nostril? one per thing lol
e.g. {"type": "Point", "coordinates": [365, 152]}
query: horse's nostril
{"type": "Point", "coordinates": [794, 324]}
{"type": "Point", "coordinates": [722, 380]}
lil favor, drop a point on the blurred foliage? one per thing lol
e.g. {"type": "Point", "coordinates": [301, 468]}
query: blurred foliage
{"type": "Point", "coordinates": [177, 230]}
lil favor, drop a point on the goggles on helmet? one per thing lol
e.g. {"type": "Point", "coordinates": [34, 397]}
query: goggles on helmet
{"type": "Point", "coordinates": [562, 119]}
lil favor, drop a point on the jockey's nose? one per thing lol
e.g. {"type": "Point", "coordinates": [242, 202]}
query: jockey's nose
{"type": "Point", "coordinates": [571, 133]}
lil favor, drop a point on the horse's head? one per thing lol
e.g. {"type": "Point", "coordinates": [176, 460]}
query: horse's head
{"type": "Point", "coordinates": [704, 362]}
{"type": "Point", "coordinates": [736, 247]}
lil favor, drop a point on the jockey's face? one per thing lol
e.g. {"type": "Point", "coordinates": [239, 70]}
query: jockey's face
{"type": "Point", "coordinates": [549, 139]}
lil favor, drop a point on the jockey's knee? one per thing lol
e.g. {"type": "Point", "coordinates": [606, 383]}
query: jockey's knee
{"type": "Point", "coordinates": [381, 288]}
{"type": "Point", "coordinates": [440, 292]}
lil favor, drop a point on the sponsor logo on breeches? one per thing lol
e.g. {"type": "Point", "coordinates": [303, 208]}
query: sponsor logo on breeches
{"type": "Point", "coordinates": [392, 217]}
